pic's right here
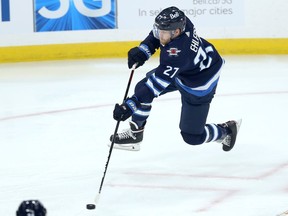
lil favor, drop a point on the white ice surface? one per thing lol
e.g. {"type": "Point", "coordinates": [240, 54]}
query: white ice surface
{"type": "Point", "coordinates": [55, 123]}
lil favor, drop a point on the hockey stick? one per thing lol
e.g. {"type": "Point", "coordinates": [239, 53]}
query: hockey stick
{"type": "Point", "coordinates": [115, 132]}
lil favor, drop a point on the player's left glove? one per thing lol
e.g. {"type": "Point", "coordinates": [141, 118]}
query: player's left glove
{"type": "Point", "coordinates": [138, 55]}
{"type": "Point", "coordinates": [126, 109]}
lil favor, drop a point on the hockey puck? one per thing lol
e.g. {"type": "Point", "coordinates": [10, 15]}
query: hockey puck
{"type": "Point", "coordinates": [90, 206]}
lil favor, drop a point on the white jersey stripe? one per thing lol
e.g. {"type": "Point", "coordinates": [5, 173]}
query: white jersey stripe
{"type": "Point", "coordinates": [142, 113]}
{"type": "Point", "coordinates": [161, 82]}
{"type": "Point", "coordinates": [151, 86]}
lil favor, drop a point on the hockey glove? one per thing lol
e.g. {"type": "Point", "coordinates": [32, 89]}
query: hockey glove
{"type": "Point", "coordinates": [138, 55]}
{"type": "Point", "coordinates": [125, 110]}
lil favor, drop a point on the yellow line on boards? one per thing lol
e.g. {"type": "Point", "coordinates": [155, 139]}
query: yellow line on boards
{"type": "Point", "coordinates": [120, 49]}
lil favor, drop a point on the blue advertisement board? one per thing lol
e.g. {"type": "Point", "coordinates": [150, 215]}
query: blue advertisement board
{"type": "Point", "coordinates": [65, 15]}
{"type": "Point", "coordinates": [5, 10]}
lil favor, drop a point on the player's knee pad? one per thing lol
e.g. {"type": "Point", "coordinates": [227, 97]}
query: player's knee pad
{"type": "Point", "coordinates": [141, 92]}
{"type": "Point", "coordinates": [193, 139]}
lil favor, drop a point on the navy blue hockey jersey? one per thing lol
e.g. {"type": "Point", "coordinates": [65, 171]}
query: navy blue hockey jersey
{"type": "Point", "coordinates": [188, 61]}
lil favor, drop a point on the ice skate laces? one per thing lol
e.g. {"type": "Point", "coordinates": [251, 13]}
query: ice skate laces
{"type": "Point", "coordinates": [227, 140]}
{"type": "Point", "coordinates": [126, 134]}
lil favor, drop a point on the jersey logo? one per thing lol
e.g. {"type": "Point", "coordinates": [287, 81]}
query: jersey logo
{"type": "Point", "coordinates": [173, 51]}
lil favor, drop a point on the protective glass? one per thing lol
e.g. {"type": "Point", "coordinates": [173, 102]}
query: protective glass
{"type": "Point", "coordinates": [156, 31]}
{"type": "Point", "coordinates": [162, 33]}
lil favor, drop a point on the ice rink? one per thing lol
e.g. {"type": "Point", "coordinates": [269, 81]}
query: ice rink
{"type": "Point", "coordinates": [56, 120]}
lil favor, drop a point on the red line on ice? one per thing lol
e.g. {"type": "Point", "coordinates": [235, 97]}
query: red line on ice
{"type": "Point", "coordinates": [108, 105]}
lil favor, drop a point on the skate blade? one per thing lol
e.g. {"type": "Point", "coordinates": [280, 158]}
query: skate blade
{"type": "Point", "coordinates": [238, 124]}
{"type": "Point", "coordinates": [127, 147]}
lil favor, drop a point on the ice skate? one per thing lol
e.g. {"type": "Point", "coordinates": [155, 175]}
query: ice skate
{"type": "Point", "coordinates": [128, 139]}
{"type": "Point", "coordinates": [229, 140]}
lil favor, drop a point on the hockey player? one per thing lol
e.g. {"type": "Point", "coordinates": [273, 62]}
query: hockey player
{"type": "Point", "coordinates": [188, 64]}
{"type": "Point", "coordinates": [31, 208]}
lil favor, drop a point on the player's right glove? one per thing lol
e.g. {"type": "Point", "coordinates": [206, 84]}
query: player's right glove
{"type": "Point", "coordinates": [126, 109]}
{"type": "Point", "coordinates": [138, 55]}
